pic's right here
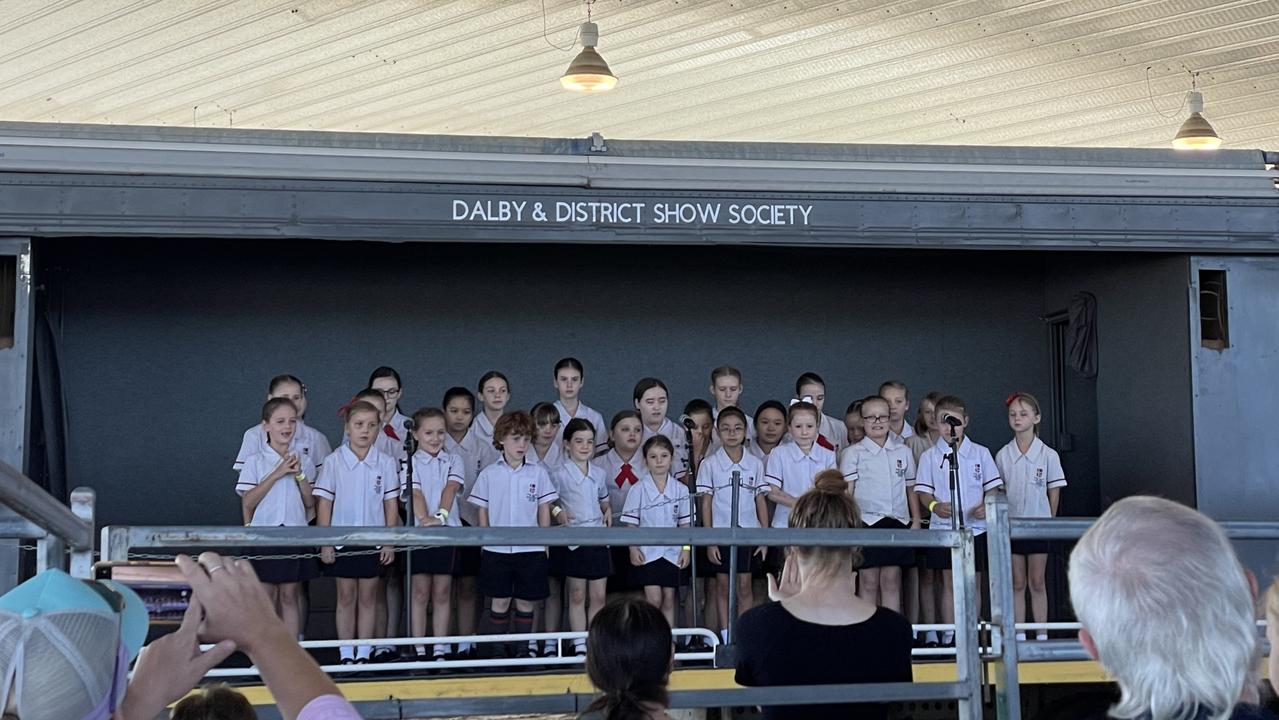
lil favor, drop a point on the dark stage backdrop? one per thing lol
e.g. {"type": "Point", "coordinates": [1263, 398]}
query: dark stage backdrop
{"type": "Point", "coordinates": [166, 345]}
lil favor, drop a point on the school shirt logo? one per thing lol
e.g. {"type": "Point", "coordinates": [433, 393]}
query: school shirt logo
{"type": "Point", "coordinates": [675, 513]}
{"type": "Point", "coordinates": [1039, 477]}
{"type": "Point", "coordinates": [977, 474]}
{"type": "Point", "coordinates": [377, 484]}
{"type": "Point", "coordinates": [901, 468]}
{"type": "Point", "coordinates": [532, 492]}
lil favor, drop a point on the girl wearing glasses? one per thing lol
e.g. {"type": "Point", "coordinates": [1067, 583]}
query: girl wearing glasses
{"type": "Point", "coordinates": [386, 381]}
{"type": "Point", "coordinates": [880, 472]}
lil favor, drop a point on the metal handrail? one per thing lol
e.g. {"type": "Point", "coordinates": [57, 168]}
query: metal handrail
{"type": "Point", "coordinates": [22, 495]}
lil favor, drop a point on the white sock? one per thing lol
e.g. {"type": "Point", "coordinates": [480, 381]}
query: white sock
{"type": "Point", "coordinates": [1021, 636]}
{"type": "Point", "coordinates": [534, 646]}
{"type": "Point", "coordinates": [362, 652]}
{"type": "Point", "coordinates": [1041, 636]}
{"type": "Point", "coordinates": [930, 636]}
{"type": "Point", "coordinates": [465, 646]}
{"type": "Point", "coordinates": [723, 635]}
{"type": "Point", "coordinates": [419, 649]}
{"type": "Point", "coordinates": [441, 649]}
{"type": "Point", "coordinates": [348, 652]}
{"type": "Point", "coordinates": [948, 637]}
{"type": "Point", "coordinates": [579, 645]}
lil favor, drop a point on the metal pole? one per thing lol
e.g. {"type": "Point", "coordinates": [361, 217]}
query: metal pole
{"type": "Point", "coordinates": [736, 518]}
{"type": "Point", "coordinates": [83, 501]}
{"type": "Point", "coordinates": [1003, 628]}
{"type": "Point", "coordinates": [29, 500]}
{"type": "Point", "coordinates": [967, 649]}
{"type": "Point", "coordinates": [51, 552]}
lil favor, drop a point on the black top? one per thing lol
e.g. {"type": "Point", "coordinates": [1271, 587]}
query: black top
{"type": "Point", "coordinates": [777, 648]}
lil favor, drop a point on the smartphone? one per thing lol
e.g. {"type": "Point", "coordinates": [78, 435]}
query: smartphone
{"type": "Point", "coordinates": [161, 585]}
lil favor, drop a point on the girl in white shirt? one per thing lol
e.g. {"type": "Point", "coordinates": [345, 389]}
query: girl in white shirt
{"type": "Point", "coordinates": [652, 400]}
{"type": "Point", "coordinates": [1033, 478]}
{"type": "Point", "coordinates": [583, 502]}
{"type": "Point", "coordinates": [494, 393]}
{"type": "Point", "coordinates": [659, 500]}
{"type": "Point", "coordinates": [275, 490]}
{"type": "Point", "coordinates": [569, 378]}
{"type": "Point", "coordinates": [437, 483]}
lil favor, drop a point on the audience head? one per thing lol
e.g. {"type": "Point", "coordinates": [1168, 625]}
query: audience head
{"type": "Point", "coordinates": [629, 654]}
{"type": "Point", "coordinates": [65, 647]}
{"type": "Point", "coordinates": [1272, 632]}
{"type": "Point", "coordinates": [1166, 609]}
{"type": "Point", "coordinates": [827, 504]}
{"type": "Point", "coordinates": [215, 702]}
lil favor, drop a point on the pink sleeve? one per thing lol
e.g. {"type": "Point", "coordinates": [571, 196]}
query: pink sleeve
{"type": "Point", "coordinates": [328, 707]}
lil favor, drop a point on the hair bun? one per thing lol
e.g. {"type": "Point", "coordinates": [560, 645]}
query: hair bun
{"type": "Point", "coordinates": [830, 482]}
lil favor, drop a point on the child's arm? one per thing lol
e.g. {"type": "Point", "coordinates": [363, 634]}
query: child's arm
{"type": "Point", "coordinates": [706, 501]}
{"type": "Point", "coordinates": [761, 514]}
{"type": "Point", "coordinates": [419, 508]}
{"type": "Point", "coordinates": [391, 516]}
{"type": "Point", "coordinates": [544, 515]}
{"type": "Point", "coordinates": [606, 510]}
{"type": "Point", "coordinates": [254, 494]}
{"type": "Point", "coordinates": [926, 499]}
{"type": "Point", "coordinates": [483, 517]}
{"type": "Point", "coordinates": [912, 502]}
{"type": "Point", "coordinates": [324, 518]}
{"type": "Point", "coordinates": [1054, 499]}
{"type": "Point", "coordinates": [448, 497]}
{"type": "Point", "coordinates": [781, 497]}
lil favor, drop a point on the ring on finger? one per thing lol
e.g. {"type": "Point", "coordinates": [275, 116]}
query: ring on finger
{"type": "Point", "coordinates": [215, 568]}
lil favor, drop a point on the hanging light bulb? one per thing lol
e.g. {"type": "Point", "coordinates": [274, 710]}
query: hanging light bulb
{"type": "Point", "coordinates": [1196, 133]}
{"type": "Point", "coordinates": [588, 73]}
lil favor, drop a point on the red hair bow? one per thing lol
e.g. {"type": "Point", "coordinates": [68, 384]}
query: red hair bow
{"type": "Point", "coordinates": [1008, 402]}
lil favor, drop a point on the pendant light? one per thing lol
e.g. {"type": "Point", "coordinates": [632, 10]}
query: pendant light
{"type": "Point", "coordinates": [1196, 133]}
{"type": "Point", "coordinates": [588, 73]}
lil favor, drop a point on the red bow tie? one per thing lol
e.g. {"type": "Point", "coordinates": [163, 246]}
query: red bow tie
{"type": "Point", "coordinates": [626, 476]}
{"type": "Point", "coordinates": [821, 440]}
{"type": "Point", "coordinates": [390, 432]}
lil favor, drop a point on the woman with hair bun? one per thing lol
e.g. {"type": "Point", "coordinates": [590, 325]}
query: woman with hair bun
{"type": "Point", "coordinates": [629, 655]}
{"type": "Point", "coordinates": [817, 631]}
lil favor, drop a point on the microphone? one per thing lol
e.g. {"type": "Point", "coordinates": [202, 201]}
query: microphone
{"type": "Point", "coordinates": [409, 424]}
{"type": "Point", "coordinates": [687, 422]}
{"type": "Point", "coordinates": [952, 421]}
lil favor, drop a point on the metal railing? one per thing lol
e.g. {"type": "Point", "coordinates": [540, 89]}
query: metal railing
{"type": "Point", "coordinates": [119, 543]}
{"type": "Point", "coordinates": [56, 528]}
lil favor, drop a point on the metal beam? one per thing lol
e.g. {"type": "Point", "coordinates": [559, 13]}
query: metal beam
{"type": "Point", "coordinates": [23, 496]}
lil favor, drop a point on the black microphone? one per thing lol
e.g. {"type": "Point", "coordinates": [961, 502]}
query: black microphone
{"type": "Point", "coordinates": [687, 422]}
{"type": "Point", "coordinates": [409, 424]}
{"type": "Point", "coordinates": [952, 421]}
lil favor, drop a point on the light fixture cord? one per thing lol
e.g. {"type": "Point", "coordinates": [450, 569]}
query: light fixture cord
{"type": "Point", "coordinates": [1151, 94]}
{"type": "Point", "coordinates": [546, 36]}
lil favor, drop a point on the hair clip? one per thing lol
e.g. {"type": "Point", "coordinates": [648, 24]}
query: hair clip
{"type": "Point", "coordinates": [1008, 402]}
{"type": "Point", "coordinates": [807, 398]}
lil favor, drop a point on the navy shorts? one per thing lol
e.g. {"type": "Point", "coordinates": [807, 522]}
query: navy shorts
{"type": "Point", "coordinates": [586, 563]}
{"type": "Point", "coordinates": [661, 573]}
{"type": "Point", "coordinates": [351, 566]}
{"type": "Point", "coordinates": [514, 575]}
{"type": "Point", "coordinates": [432, 561]}
{"type": "Point", "coordinates": [876, 557]}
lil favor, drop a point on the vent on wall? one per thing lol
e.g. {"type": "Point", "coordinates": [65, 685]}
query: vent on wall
{"type": "Point", "coordinates": [1214, 324]}
{"type": "Point", "coordinates": [8, 299]}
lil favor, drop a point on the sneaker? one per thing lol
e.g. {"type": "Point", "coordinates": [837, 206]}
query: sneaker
{"type": "Point", "coordinates": [549, 649]}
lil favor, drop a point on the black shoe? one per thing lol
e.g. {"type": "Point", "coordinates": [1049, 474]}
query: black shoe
{"type": "Point", "coordinates": [384, 655]}
{"type": "Point", "coordinates": [549, 650]}
{"type": "Point", "coordinates": [931, 644]}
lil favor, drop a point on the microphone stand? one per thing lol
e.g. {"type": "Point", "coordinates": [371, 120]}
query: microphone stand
{"type": "Point", "coordinates": [956, 494]}
{"type": "Point", "coordinates": [410, 448]}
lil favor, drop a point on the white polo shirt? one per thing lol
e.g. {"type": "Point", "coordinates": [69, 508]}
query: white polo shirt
{"type": "Point", "coordinates": [907, 433]}
{"type": "Point", "coordinates": [483, 428]}
{"type": "Point", "coordinates": [512, 496]}
{"type": "Point", "coordinates": [431, 474]}
{"type": "Point", "coordinates": [307, 442]}
{"type": "Point", "coordinates": [388, 445]}
{"type": "Point", "coordinates": [588, 414]}
{"type": "Point", "coordinates": [1029, 477]}
{"type": "Point", "coordinates": [581, 493]}
{"type": "Point", "coordinates": [614, 470]}
{"type": "Point", "coordinates": [793, 471]}
{"type": "Point", "coordinates": [282, 504]}
{"type": "Point", "coordinates": [835, 431]}
{"type": "Point", "coordinates": [554, 455]}
{"type": "Point", "coordinates": [757, 451]}
{"type": "Point", "coordinates": [977, 475]}
{"type": "Point", "coordinates": [646, 506]}
{"type": "Point", "coordinates": [715, 477]}
{"type": "Point", "coordinates": [357, 488]}
{"type": "Point", "coordinates": [881, 477]}
{"type": "Point", "coordinates": [674, 433]}
{"type": "Point", "coordinates": [475, 456]}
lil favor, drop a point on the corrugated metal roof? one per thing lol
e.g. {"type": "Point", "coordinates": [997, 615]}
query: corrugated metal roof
{"type": "Point", "coordinates": [989, 72]}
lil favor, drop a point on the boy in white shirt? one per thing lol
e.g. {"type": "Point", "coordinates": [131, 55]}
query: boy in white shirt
{"type": "Point", "coordinates": [357, 486]}
{"type": "Point", "coordinates": [978, 477]}
{"type": "Point", "coordinates": [513, 492]}
{"type": "Point", "coordinates": [880, 471]}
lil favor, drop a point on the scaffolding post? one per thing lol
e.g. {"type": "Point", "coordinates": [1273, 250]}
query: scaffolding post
{"type": "Point", "coordinates": [83, 504]}
{"type": "Point", "coordinates": [1002, 618]}
{"type": "Point", "coordinates": [967, 601]}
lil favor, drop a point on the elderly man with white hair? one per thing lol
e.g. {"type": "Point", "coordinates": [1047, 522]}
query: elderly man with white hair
{"type": "Point", "coordinates": [1168, 611]}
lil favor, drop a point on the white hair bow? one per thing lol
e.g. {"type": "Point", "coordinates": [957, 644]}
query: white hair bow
{"type": "Point", "coordinates": [807, 398]}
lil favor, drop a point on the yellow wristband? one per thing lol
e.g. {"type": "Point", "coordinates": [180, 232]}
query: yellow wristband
{"type": "Point", "coordinates": [932, 505]}
{"type": "Point", "coordinates": [556, 510]}
{"type": "Point", "coordinates": [688, 548]}
{"type": "Point", "coordinates": [300, 477]}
